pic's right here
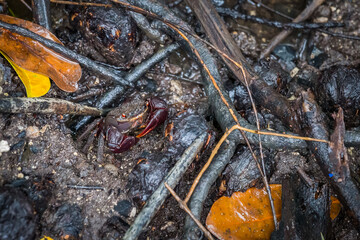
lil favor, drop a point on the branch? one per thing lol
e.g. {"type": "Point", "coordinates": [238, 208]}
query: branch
{"type": "Point", "coordinates": [158, 197]}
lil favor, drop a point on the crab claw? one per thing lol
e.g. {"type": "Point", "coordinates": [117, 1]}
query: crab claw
{"type": "Point", "coordinates": [118, 142]}
{"type": "Point", "coordinates": [158, 114]}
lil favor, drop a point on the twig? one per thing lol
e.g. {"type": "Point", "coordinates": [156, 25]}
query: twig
{"type": "Point", "coordinates": [151, 74]}
{"type": "Point", "coordinates": [292, 25]}
{"type": "Point", "coordinates": [41, 13]}
{"type": "Point", "coordinates": [85, 187]}
{"type": "Point", "coordinates": [26, 5]}
{"type": "Point", "coordinates": [46, 106]}
{"type": "Point", "coordinates": [187, 210]}
{"type": "Point", "coordinates": [149, 31]}
{"type": "Point", "coordinates": [305, 177]}
{"type": "Point", "coordinates": [281, 36]}
{"type": "Point", "coordinates": [260, 4]}
{"type": "Point", "coordinates": [158, 197]}
{"type": "Point", "coordinates": [81, 3]}
{"type": "Point", "coordinates": [340, 35]}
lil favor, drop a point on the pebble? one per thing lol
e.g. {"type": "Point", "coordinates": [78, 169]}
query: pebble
{"type": "Point", "coordinates": [133, 212]}
{"type": "Point", "coordinates": [321, 20]}
{"type": "Point", "coordinates": [123, 207]}
{"type": "Point", "coordinates": [112, 169]}
{"type": "Point", "coordinates": [4, 146]}
{"type": "Point", "coordinates": [32, 132]}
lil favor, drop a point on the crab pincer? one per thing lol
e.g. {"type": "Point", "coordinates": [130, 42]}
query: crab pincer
{"type": "Point", "coordinates": [118, 142]}
{"type": "Point", "coordinates": [158, 113]}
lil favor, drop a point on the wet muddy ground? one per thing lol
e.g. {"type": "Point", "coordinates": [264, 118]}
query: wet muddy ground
{"type": "Point", "coordinates": [74, 194]}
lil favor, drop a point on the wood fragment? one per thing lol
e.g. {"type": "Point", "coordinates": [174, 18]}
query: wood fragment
{"type": "Point", "coordinates": [46, 106]}
{"type": "Point", "coordinates": [305, 14]}
{"type": "Point", "coordinates": [41, 13]}
{"type": "Point", "coordinates": [338, 153]}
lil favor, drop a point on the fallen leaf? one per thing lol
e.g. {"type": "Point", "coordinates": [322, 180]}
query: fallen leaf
{"type": "Point", "coordinates": [245, 215]}
{"type": "Point", "coordinates": [35, 57]}
{"type": "Point", "coordinates": [335, 207]}
{"type": "Point", "coordinates": [36, 84]}
{"type": "Point", "coordinates": [46, 238]}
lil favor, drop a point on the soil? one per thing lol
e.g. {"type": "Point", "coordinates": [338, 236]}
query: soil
{"type": "Point", "coordinates": [76, 196]}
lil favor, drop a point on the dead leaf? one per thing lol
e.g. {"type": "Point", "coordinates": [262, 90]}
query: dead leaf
{"type": "Point", "coordinates": [335, 207]}
{"type": "Point", "coordinates": [35, 57]}
{"type": "Point", "coordinates": [36, 85]}
{"type": "Point", "coordinates": [245, 215]}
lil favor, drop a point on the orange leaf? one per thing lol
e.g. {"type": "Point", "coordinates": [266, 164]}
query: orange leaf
{"type": "Point", "coordinates": [335, 207]}
{"type": "Point", "coordinates": [245, 215]}
{"type": "Point", "coordinates": [35, 57]}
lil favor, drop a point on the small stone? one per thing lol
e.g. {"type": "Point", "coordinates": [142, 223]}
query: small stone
{"type": "Point", "coordinates": [20, 175]}
{"type": "Point", "coordinates": [321, 20]}
{"type": "Point", "coordinates": [123, 207]}
{"type": "Point", "coordinates": [169, 227]}
{"type": "Point", "coordinates": [4, 146]}
{"type": "Point", "coordinates": [34, 149]}
{"type": "Point", "coordinates": [112, 169]}
{"type": "Point", "coordinates": [32, 132]}
{"type": "Point", "coordinates": [133, 212]}
{"type": "Point", "coordinates": [294, 72]}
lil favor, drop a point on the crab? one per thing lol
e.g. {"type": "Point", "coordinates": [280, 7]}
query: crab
{"type": "Point", "coordinates": [123, 127]}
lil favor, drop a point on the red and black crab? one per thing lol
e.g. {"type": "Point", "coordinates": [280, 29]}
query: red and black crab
{"type": "Point", "coordinates": [123, 127]}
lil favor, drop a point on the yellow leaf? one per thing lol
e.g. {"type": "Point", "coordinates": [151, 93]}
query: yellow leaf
{"type": "Point", "coordinates": [245, 215]}
{"type": "Point", "coordinates": [46, 238]}
{"type": "Point", "coordinates": [36, 84]}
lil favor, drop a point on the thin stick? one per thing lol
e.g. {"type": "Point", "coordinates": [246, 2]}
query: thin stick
{"type": "Point", "coordinates": [46, 106]}
{"type": "Point", "coordinates": [85, 187]}
{"type": "Point", "coordinates": [81, 3]}
{"type": "Point", "coordinates": [26, 5]}
{"type": "Point", "coordinates": [282, 25]}
{"type": "Point", "coordinates": [334, 34]}
{"type": "Point", "coordinates": [306, 13]}
{"type": "Point", "coordinates": [188, 211]}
